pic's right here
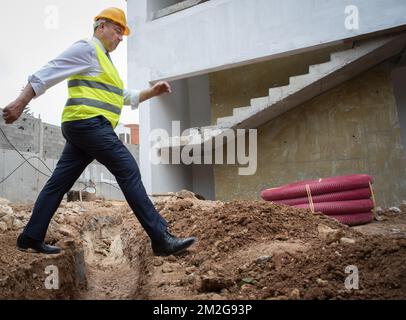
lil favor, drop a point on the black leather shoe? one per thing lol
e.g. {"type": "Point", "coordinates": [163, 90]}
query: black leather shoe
{"type": "Point", "coordinates": [169, 244]}
{"type": "Point", "coordinates": [25, 243]}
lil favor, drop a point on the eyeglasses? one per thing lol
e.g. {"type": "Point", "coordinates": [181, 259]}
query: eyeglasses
{"type": "Point", "coordinates": [119, 30]}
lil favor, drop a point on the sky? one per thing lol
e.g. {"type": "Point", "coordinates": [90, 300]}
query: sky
{"type": "Point", "coordinates": [33, 33]}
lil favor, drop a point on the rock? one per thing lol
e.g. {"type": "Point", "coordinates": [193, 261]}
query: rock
{"type": "Point", "coordinates": [263, 259]}
{"type": "Point", "coordinates": [182, 204]}
{"type": "Point", "coordinates": [378, 210]}
{"type": "Point", "coordinates": [17, 224]}
{"type": "Point", "coordinates": [185, 194]}
{"type": "Point", "coordinates": [172, 258]}
{"type": "Point", "coordinates": [321, 282]}
{"type": "Point", "coordinates": [328, 234]}
{"type": "Point", "coordinates": [190, 270]}
{"type": "Point", "coordinates": [380, 218]}
{"type": "Point", "coordinates": [5, 209]}
{"type": "Point", "coordinates": [66, 232]}
{"type": "Point", "coordinates": [4, 202]}
{"type": "Point", "coordinates": [116, 249]}
{"type": "Point", "coordinates": [3, 227]}
{"type": "Point", "coordinates": [294, 294]}
{"type": "Point", "coordinates": [167, 269]}
{"type": "Point", "coordinates": [107, 242]}
{"type": "Point", "coordinates": [247, 287]}
{"type": "Point", "coordinates": [73, 195]}
{"type": "Point", "coordinates": [158, 262]}
{"type": "Point", "coordinates": [247, 280]}
{"type": "Point", "coordinates": [344, 240]}
{"type": "Point", "coordinates": [102, 252]}
{"type": "Point", "coordinates": [395, 210]}
{"type": "Point", "coordinates": [213, 283]}
{"type": "Point", "coordinates": [190, 279]}
{"type": "Point", "coordinates": [8, 219]}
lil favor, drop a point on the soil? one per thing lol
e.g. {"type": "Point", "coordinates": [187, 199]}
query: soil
{"type": "Point", "coordinates": [245, 250]}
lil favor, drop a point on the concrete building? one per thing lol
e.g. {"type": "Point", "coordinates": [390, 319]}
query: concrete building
{"type": "Point", "coordinates": [134, 133]}
{"type": "Point", "coordinates": [320, 80]}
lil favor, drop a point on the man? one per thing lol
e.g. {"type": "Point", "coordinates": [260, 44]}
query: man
{"type": "Point", "coordinates": [96, 97]}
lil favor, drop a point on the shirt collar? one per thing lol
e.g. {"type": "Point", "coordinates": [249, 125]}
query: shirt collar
{"type": "Point", "coordinates": [100, 44]}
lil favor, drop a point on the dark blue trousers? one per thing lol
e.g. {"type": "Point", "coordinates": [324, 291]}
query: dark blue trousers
{"type": "Point", "coordinates": [87, 140]}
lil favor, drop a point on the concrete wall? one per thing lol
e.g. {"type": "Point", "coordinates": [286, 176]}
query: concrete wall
{"type": "Point", "coordinates": [255, 80]}
{"type": "Point", "coordinates": [164, 110]}
{"type": "Point", "coordinates": [36, 139]}
{"type": "Point", "coordinates": [353, 128]}
{"type": "Point", "coordinates": [189, 104]}
{"type": "Point", "coordinates": [220, 34]}
{"type": "Point", "coordinates": [399, 80]}
{"type": "Point", "coordinates": [200, 115]}
{"type": "Point", "coordinates": [25, 134]}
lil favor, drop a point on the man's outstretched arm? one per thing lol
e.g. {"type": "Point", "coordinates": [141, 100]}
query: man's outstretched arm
{"type": "Point", "coordinates": [159, 88]}
{"type": "Point", "coordinates": [14, 109]}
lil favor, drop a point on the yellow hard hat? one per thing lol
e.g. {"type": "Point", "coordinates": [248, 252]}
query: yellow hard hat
{"type": "Point", "coordinates": [117, 16]}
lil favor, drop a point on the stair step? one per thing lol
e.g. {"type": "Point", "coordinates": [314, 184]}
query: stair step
{"type": "Point", "coordinates": [241, 110]}
{"type": "Point", "coordinates": [259, 102]}
{"type": "Point", "coordinates": [276, 94]}
{"type": "Point", "coordinates": [225, 122]}
{"type": "Point", "coordinates": [304, 80]}
{"type": "Point", "coordinates": [323, 67]}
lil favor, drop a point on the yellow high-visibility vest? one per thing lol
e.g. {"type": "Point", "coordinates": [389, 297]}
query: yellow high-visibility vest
{"type": "Point", "coordinates": [90, 97]}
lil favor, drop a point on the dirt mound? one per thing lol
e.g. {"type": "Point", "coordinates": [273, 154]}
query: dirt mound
{"type": "Point", "coordinates": [24, 276]}
{"type": "Point", "coordinates": [259, 250]}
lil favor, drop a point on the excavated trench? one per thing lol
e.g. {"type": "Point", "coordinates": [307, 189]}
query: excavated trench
{"type": "Point", "coordinates": [100, 259]}
{"type": "Point", "coordinates": [113, 257]}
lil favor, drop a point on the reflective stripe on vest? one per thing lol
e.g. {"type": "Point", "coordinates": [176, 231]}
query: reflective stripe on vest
{"type": "Point", "coordinates": [94, 85]}
{"type": "Point", "coordinates": [92, 96]}
{"type": "Point", "coordinates": [93, 103]}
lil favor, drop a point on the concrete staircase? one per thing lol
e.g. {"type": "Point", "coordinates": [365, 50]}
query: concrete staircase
{"type": "Point", "coordinates": [343, 65]}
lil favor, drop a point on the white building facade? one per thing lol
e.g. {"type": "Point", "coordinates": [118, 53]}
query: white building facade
{"type": "Point", "coordinates": [183, 42]}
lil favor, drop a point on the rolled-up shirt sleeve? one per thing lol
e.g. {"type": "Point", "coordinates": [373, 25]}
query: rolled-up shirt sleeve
{"type": "Point", "coordinates": [132, 98]}
{"type": "Point", "coordinates": [75, 60]}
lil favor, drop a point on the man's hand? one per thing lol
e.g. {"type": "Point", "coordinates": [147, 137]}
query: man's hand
{"type": "Point", "coordinates": [159, 88]}
{"type": "Point", "coordinates": [13, 111]}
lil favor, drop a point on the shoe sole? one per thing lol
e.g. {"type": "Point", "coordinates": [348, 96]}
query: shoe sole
{"type": "Point", "coordinates": [30, 250]}
{"type": "Point", "coordinates": [176, 252]}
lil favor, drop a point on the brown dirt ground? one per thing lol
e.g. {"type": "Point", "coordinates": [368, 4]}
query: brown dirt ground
{"type": "Point", "coordinates": [245, 250]}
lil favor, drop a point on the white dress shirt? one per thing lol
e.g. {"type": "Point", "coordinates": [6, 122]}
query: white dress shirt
{"type": "Point", "coordinates": [79, 59]}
